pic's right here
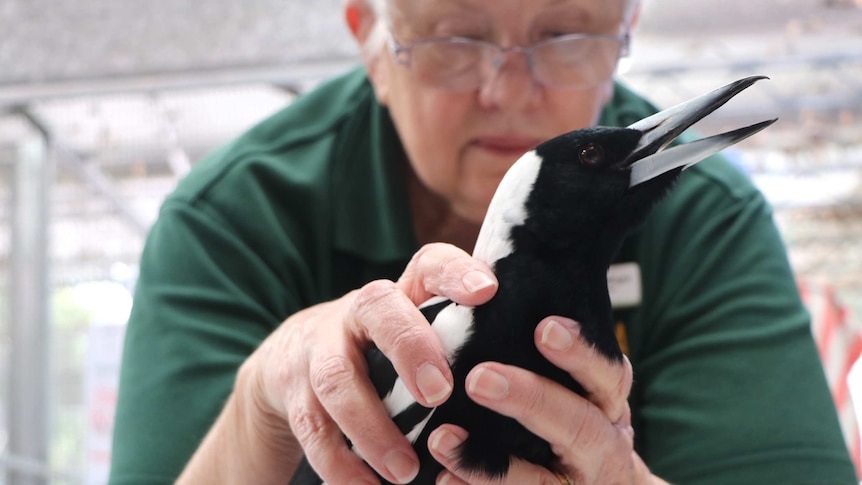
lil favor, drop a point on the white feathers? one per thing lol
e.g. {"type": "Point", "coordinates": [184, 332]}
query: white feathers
{"type": "Point", "coordinates": [507, 209]}
{"type": "Point", "coordinates": [398, 399]}
{"type": "Point", "coordinates": [433, 301]}
{"type": "Point", "coordinates": [417, 430]}
{"type": "Point", "coordinates": [453, 325]}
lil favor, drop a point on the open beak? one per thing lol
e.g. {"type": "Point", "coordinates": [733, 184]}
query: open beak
{"type": "Point", "coordinates": [648, 160]}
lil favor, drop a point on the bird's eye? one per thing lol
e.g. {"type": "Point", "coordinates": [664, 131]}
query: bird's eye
{"type": "Point", "coordinates": [592, 154]}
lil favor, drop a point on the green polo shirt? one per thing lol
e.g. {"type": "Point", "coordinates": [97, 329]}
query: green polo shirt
{"type": "Point", "coordinates": [311, 203]}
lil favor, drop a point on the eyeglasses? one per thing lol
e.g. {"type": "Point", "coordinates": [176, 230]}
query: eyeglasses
{"type": "Point", "coordinates": [464, 64]}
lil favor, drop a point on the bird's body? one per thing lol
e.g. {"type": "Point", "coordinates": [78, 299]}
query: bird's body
{"type": "Point", "coordinates": [551, 231]}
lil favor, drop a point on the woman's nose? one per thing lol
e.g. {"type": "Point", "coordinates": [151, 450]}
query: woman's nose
{"type": "Point", "coordinates": [510, 83]}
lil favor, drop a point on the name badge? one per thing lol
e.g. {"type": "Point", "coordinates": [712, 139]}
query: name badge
{"type": "Point", "coordinates": [624, 285]}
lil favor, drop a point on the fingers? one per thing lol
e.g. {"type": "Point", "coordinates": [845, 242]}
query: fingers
{"type": "Point", "coordinates": [387, 317]}
{"type": "Point", "coordinates": [607, 383]}
{"type": "Point", "coordinates": [386, 314]}
{"type": "Point", "coordinates": [566, 420]}
{"type": "Point", "coordinates": [443, 443]}
{"type": "Point", "coordinates": [323, 442]}
{"type": "Point", "coordinates": [581, 435]}
{"type": "Point", "coordinates": [349, 398]}
{"type": "Point", "coordinates": [327, 395]}
{"type": "Point", "coordinates": [321, 375]}
{"type": "Point", "coordinates": [441, 269]}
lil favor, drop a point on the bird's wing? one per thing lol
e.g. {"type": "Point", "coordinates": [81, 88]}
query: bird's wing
{"type": "Point", "coordinates": [409, 415]}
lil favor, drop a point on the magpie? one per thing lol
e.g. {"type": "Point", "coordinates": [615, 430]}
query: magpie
{"type": "Point", "coordinates": [552, 229]}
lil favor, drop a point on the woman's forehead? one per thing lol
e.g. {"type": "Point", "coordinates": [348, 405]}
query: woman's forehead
{"type": "Point", "coordinates": [418, 12]}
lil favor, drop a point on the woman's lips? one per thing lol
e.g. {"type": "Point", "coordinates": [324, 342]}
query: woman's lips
{"type": "Point", "coordinates": [506, 145]}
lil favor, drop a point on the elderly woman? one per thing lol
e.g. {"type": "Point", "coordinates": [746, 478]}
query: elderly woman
{"type": "Point", "coordinates": [284, 255]}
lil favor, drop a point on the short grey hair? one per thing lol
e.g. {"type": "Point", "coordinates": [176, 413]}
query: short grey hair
{"type": "Point", "coordinates": [379, 6]}
{"type": "Point", "coordinates": [376, 41]}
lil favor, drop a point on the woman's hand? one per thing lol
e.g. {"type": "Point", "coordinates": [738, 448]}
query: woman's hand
{"type": "Point", "coordinates": [592, 437]}
{"type": "Point", "coordinates": [311, 373]}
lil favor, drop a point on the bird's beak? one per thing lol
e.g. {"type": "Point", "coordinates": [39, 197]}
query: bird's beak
{"type": "Point", "coordinates": [648, 161]}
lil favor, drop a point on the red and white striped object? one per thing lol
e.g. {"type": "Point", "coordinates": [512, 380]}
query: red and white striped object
{"type": "Point", "coordinates": [839, 341]}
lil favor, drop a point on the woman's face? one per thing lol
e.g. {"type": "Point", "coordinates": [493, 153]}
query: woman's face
{"type": "Point", "coordinates": [460, 143]}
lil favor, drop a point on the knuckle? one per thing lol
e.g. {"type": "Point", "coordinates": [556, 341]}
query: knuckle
{"type": "Point", "coordinates": [371, 295]}
{"type": "Point", "coordinates": [624, 420]}
{"type": "Point", "coordinates": [422, 253]}
{"type": "Point", "coordinates": [403, 337]}
{"type": "Point", "coordinates": [308, 427]}
{"type": "Point", "coordinates": [283, 369]}
{"type": "Point", "coordinates": [588, 434]}
{"type": "Point", "coordinates": [269, 376]}
{"type": "Point", "coordinates": [425, 256]}
{"type": "Point", "coordinates": [282, 377]}
{"type": "Point", "coordinates": [628, 374]}
{"type": "Point", "coordinates": [455, 264]}
{"type": "Point", "coordinates": [333, 377]}
{"type": "Point", "coordinates": [534, 400]}
{"type": "Point", "coordinates": [445, 264]}
{"type": "Point", "coordinates": [429, 267]}
{"type": "Point", "coordinates": [621, 390]}
{"type": "Point", "coordinates": [441, 259]}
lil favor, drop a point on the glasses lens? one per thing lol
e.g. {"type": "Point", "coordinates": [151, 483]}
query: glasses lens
{"type": "Point", "coordinates": [453, 64]}
{"type": "Point", "coordinates": [576, 61]}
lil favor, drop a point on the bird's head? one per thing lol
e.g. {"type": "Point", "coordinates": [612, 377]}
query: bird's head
{"type": "Point", "coordinates": [596, 184]}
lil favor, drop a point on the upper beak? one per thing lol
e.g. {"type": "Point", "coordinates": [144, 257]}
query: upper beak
{"type": "Point", "coordinates": [647, 161]}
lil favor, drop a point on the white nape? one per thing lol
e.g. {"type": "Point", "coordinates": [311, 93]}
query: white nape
{"type": "Point", "coordinates": [507, 209]}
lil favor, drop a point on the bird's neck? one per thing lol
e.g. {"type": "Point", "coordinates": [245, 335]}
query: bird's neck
{"type": "Point", "coordinates": [535, 283]}
{"type": "Point", "coordinates": [539, 278]}
{"type": "Point", "coordinates": [507, 210]}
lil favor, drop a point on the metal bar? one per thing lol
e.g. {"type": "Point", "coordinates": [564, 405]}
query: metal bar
{"type": "Point", "coordinates": [103, 186]}
{"type": "Point", "coordinates": [29, 300]}
{"type": "Point", "coordinates": [178, 158]}
{"type": "Point", "coordinates": [34, 468]}
{"type": "Point", "coordinates": [93, 177]}
{"type": "Point", "coordinates": [290, 75]}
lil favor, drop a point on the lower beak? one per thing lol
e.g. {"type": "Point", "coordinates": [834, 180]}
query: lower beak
{"type": "Point", "coordinates": [648, 161]}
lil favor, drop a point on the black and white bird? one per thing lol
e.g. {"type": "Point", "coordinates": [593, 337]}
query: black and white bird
{"type": "Point", "coordinates": [552, 229]}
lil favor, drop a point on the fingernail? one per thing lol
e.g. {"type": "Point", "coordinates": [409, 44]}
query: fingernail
{"type": "Point", "coordinates": [556, 336]}
{"type": "Point", "coordinates": [401, 466]}
{"type": "Point", "coordinates": [476, 280]}
{"type": "Point", "coordinates": [432, 384]}
{"type": "Point", "coordinates": [444, 478]}
{"type": "Point", "coordinates": [445, 442]}
{"type": "Point", "coordinates": [488, 384]}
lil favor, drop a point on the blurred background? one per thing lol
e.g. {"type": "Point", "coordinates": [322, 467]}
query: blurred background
{"type": "Point", "coordinates": [105, 104]}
